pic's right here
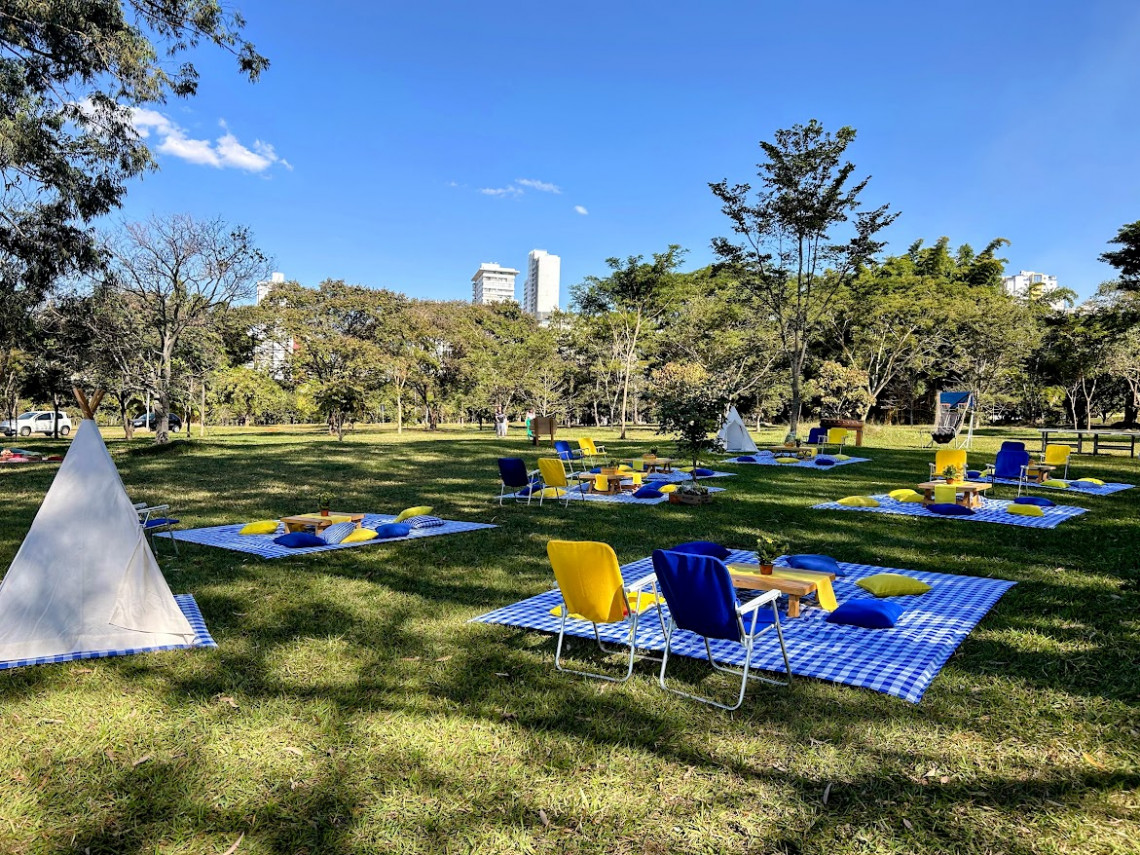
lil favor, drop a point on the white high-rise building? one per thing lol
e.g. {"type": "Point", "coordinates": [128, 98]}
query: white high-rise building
{"type": "Point", "coordinates": [540, 291]}
{"type": "Point", "coordinates": [1029, 284]}
{"type": "Point", "coordinates": [493, 284]}
{"type": "Point", "coordinates": [272, 351]}
{"type": "Point", "coordinates": [266, 285]}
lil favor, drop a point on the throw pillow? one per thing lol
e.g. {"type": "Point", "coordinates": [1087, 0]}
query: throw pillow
{"type": "Point", "coordinates": [393, 530]}
{"type": "Point", "coordinates": [824, 461]}
{"type": "Point", "coordinates": [417, 511]}
{"type": "Point", "coordinates": [787, 460]}
{"type": "Point", "coordinates": [261, 527]}
{"type": "Point", "coordinates": [1040, 501]}
{"type": "Point", "coordinates": [915, 499]}
{"type": "Point", "coordinates": [869, 614]}
{"type": "Point", "coordinates": [360, 535]}
{"type": "Point", "coordinates": [892, 585]}
{"type": "Point", "coordinates": [948, 509]}
{"type": "Point", "coordinates": [819, 563]}
{"type": "Point", "coordinates": [1025, 510]}
{"type": "Point", "coordinates": [668, 488]}
{"type": "Point", "coordinates": [338, 532]}
{"type": "Point", "coordinates": [901, 494]}
{"type": "Point", "coordinates": [298, 539]}
{"type": "Point", "coordinates": [648, 492]}
{"type": "Point", "coordinates": [842, 456]}
{"type": "Point", "coordinates": [701, 472]}
{"type": "Point", "coordinates": [423, 521]}
{"type": "Point", "coordinates": [1055, 482]}
{"type": "Point", "coordinates": [859, 502]}
{"type": "Point", "coordinates": [745, 459]}
{"type": "Point", "coordinates": [1096, 481]}
{"type": "Point", "coordinates": [703, 547]}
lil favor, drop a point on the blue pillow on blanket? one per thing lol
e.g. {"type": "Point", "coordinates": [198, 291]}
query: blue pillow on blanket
{"type": "Point", "coordinates": [703, 547]}
{"type": "Point", "coordinates": [701, 472]}
{"type": "Point", "coordinates": [973, 474]}
{"type": "Point", "coordinates": [948, 509]}
{"type": "Point", "coordinates": [393, 530]}
{"type": "Point", "coordinates": [297, 539]}
{"type": "Point", "coordinates": [824, 461]}
{"type": "Point", "coordinates": [819, 563]}
{"type": "Point", "coordinates": [746, 459]}
{"type": "Point", "coordinates": [337, 532]}
{"type": "Point", "coordinates": [424, 521]}
{"type": "Point", "coordinates": [869, 614]}
{"type": "Point", "coordinates": [648, 492]}
{"type": "Point", "coordinates": [1040, 501]}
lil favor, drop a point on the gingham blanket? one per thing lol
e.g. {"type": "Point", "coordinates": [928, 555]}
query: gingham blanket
{"type": "Point", "coordinates": [991, 511]}
{"type": "Point", "coordinates": [185, 602]}
{"type": "Point", "coordinates": [762, 459]}
{"type": "Point", "coordinates": [582, 491]}
{"type": "Point", "coordinates": [902, 661]}
{"type": "Point", "coordinates": [227, 537]}
{"type": "Point", "coordinates": [1074, 487]}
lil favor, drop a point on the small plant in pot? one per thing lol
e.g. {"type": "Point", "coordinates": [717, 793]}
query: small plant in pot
{"type": "Point", "coordinates": [692, 493]}
{"type": "Point", "coordinates": [769, 547]}
{"type": "Point", "coordinates": [952, 474]}
{"type": "Point", "coordinates": [324, 502]}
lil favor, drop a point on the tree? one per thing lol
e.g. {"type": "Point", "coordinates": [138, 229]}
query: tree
{"type": "Point", "coordinates": [1127, 259]}
{"type": "Point", "coordinates": [690, 406]}
{"type": "Point", "coordinates": [70, 74]}
{"type": "Point", "coordinates": [784, 251]}
{"type": "Point", "coordinates": [181, 271]}
{"type": "Point", "coordinates": [631, 301]}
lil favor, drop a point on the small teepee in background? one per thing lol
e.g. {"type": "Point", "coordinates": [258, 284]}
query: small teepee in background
{"type": "Point", "coordinates": [734, 434]}
{"type": "Point", "coordinates": [85, 582]}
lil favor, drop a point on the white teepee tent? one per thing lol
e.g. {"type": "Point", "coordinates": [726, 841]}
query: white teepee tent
{"type": "Point", "coordinates": [85, 581]}
{"type": "Point", "coordinates": [734, 434]}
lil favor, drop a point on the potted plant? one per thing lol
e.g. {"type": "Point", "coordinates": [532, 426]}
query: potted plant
{"type": "Point", "coordinates": [691, 493]}
{"type": "Point", "coordinates": [952, 474]}
{"type": "Point", "coordinates": [610, 467]}
{"type": "Point", "coordinates": [324, 502]}
{"type": "Point", "coordinates": [790, 439]}
{"type": "Point", "coordinates": [652, 455]}
{"type": "Point", "coordinates": [769, 547]}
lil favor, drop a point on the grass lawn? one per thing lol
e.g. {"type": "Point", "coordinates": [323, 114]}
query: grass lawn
{"type": "Point", "coordinates": [351, 708]}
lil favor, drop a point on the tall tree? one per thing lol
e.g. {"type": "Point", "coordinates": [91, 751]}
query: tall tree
{"type": "Point", "coordinates": [181, 271]}
{"type": "Point", "coordinates": [785, 251]}
{"type": "Point", "coordinates": [1126, 259]}
{"type": "Point", "coordinates": [70, 74]}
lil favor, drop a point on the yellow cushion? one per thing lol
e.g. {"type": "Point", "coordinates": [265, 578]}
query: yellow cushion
{"type": "Point", "coordinates": [360, 535]}
{"type": "Point", "coordinates": [1025, 510]}
{"type": "Point", "coordinates": [901, 495]}
{"type": "Point", "coordinates": [787, 460]}
{"type": "Point", "coordinates": [840, 456]}
{"type": "Point", "coordinates": [262, 527]}
{"type": "Point", "coordinates": [1055, 482]}
{"type": "Point", "coordinates": [859, 502]}
{"type": "Point", "coordinates": [667, 488]}
{"type": "Point", "coordinates": [917, 497]}
{"type": "Point", "coordinates": [552, 492]}
{"type": "Point", "coordinates": [420, 511]}
{"type": "Point", "coordinates": [1096, 481]}
{"type": "Point", "coordinates": [892, 585]}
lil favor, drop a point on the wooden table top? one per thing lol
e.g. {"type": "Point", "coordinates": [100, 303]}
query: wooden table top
{"type": "Point", "coordinates": [748, 576]}
{"type": "Point", "coordinates": [964, 486]}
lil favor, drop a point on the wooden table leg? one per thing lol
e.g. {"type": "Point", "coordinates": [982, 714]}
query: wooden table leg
{"type": "Point", "coordinates": [793, 605]}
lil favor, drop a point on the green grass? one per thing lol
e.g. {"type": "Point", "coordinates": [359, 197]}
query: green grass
{"type": "Point", "coordinates": [351, 708]}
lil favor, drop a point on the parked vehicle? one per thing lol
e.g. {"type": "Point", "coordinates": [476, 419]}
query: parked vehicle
{"type": "Point", "coordinates": [36, 421]}
{"type": "Point", "coordinates": [147, 420]}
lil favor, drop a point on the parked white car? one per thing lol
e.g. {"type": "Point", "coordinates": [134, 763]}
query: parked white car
{"type": "Point", "coordinates": [36, 421]}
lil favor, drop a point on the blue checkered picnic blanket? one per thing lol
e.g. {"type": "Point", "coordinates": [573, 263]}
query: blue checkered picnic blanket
{"type": "Point", "coordinates": [676, 477]}
{"type": "Point", "coordinates": [1106, 489]}
{"type": "Point", "coordinates": [769, 459]}
{"type": "Point", "coordinates": [991, 511]}
{"type": "Point", "coordinates": [227, 537]}
{"type": "Point", "coordinates": [202, 638]}
{"type": "Point", "coordinates": [902, 661]}
{"type": "Point", "coordinates": [582, 491]}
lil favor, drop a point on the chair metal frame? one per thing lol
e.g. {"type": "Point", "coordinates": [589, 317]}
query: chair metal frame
{"type": "Point", "coordinates": [567, 455]}
{"type": "Point", "coordinates": [747, 639]}
{"type": "Point", "coordinates": [568, 491]}
{"type": "Point", "coordinates": [1022, 477]}
{"type": "Point", "coordinates": [503, 486]}
{"type": "Point", "coordinates": [1068, 457]}
{"type": "Point", "coordinates": [827, 443]}
{"type": "Point", "coordinates": [145, 513]}
{"type": "Point", "coordinates": [632, 618]}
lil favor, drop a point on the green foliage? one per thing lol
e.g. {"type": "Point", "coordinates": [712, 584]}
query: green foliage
{"type": "Point", "coordinates": [690, 407]}
{"type": "Point", "coordinates": [769, 547]}
{"type": "Point", "coordinates": [1126, 259]}
{"type": "Point", "coordinates": [841, 390]}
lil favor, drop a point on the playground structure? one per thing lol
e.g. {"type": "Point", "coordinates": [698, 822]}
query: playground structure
{"type": "Point", "coordinates": [955, 409]}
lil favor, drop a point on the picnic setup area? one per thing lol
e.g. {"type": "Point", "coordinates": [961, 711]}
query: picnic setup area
{"type": "Point", "coordinates": [399, 692]}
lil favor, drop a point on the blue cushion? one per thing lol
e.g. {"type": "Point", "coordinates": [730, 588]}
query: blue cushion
{"type": "Point", "coordinates": [394, 530]}
{"type": "Point", "coordinates": [819, 563]}
{"type": "Point", "coordinates": [1040, 501]}
{"type": "Point", "coordinates": [423, 521]}
{"type": "Point", "coordinates": [597, 470]}
{"type": "Point", "coordinates": [648, 492]}
{"type": "Point", "coordinates": [869, 614]}
{"type": "Point", "coordinates": [703, 547]}
{"type": "Point", "coordinates": [297, 539]}
{"type": "Point", "coordinates": [824, 461]}
{"type": "Point", "coordinates": [746, 459]}
{"type": "Point", "coordinates": [160, 521]}
{"type": "Point", "coordinates": [948, 509]}
{"type": "Point", "coordinates": [701, 472]}
{"type": "Point", "coordinates": [337, 532]}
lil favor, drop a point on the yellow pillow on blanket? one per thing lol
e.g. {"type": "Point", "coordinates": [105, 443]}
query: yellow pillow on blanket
{"type": "Point", "coordinates": [1055, 482]}
{"type": "Point", "coordinates": [261, 527]}
{"type": "Point", "coordinates": [420, 511]}
{"type": "Point", "coordinates": [360, 535]}
{"type": "Point", "coordinates": [787, 460]}
{"type": "Point", "coordinates": [1096, 481]}
{"type": "Point", "coordinates": [858, 502]}
{"type": "Point", "coordinates": [667, 488]}
{"type": "Point", "coordinates": [902, 495]}
{"type": "Point", "coordinates": [1025, 510]}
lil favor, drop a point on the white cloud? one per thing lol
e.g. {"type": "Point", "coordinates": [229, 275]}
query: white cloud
{"type": "Point", "coordinates": [509, 190]}
{"type": "Point", "coordinates": [581, 209]}
{"type": "Point", "coordinates": [224, 152]}
{"type": "Point", "coordinates": [541, 186]}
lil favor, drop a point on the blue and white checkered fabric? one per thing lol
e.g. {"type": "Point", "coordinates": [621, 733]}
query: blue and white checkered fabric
{"type": "Point", "coordinates": [185, 602]}
{"type": "Point", "coordinates": [902, 661]}
{"type": "Point", "coordinates": [583, 492]}
{"type": "Point", "coordinates": [992, 511]}
{"type": "Point", "coordinates": [770, 460]}
{"type": "Point", "coordinates": [227, 537]}
{"type": "Point", "coordinates": [1075, 487]}
{"type": "Point", "coordinates": [424, 521]}
{"type": "Point", "coordinates": [337, 532]}
{"type": "Point", "coordinates": [676, 477]}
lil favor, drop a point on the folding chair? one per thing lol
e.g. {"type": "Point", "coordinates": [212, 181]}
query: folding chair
{"type": "Point", "coordinates": [152, 524]}
{"type": "Point", "coordinates": [568, 455]}
{"type": "Point", "coordinates": [591, 449]}
{"type": "Point", "coordinates": [948, 457]}
{"type": "Point", "coordinates": [514, 478]}
{"type": "Point", "coordinates": [1010, 465]}
{"type": "Point", "coordinates": [836, 437]}
{"type": "Point", "coordinates": [592, 589]}
{"type": "Point", "coordinates": [554, 477]}
{"type": "Point", "coordinates": [817, 436]}
{"type": "Point", "coordinates": [701, 598]}
{"type": "Point", "coordinates": [1057, 455]}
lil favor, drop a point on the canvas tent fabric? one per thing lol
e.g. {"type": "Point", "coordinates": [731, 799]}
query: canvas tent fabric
{"type": "Point", "coordinates": [85, 581]}
{"type": "Point", "coordinates": [734, 434]}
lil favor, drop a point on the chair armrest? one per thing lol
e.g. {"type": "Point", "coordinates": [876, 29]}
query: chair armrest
{"type": "Point", "coordinates": [764, 599]}
{"type": "Point", "coordinates": [635, 587]}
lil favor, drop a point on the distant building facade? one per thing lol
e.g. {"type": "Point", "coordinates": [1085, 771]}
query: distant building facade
{"type": "Point", "coordinates": [273, 349]}
{"type": "Point", "coordinates": [1027, 284]}
{"type": "Point", "coordinates": [493, 284]}
{"type": "Point", "coordinates": [540, 291]}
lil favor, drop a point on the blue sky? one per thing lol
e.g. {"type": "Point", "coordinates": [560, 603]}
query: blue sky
{"type": "Point", "coordinates": [401, 145]}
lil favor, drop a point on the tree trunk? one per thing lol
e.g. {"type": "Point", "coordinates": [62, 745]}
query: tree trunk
{"type": "Point", "coordinates": [797, 393]}
{"type": "Point", "coordinates": [202, 413]}
{"type": "Point", "coordinates": [128, 428]}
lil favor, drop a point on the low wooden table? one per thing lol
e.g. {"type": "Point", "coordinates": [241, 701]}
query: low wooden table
{"type": "Point", "coordinates": [319, 522]}
{"type": "Point", "coordinates": [657, 464]}
{"type": "Point", "coordinates": [971, 492]}
{"type": "Point", "coordinates": [1038, 472]}
{"type": "Point", "coordinates": [613, 482]}
{"type": "Point", "coordinates": [749, 578]}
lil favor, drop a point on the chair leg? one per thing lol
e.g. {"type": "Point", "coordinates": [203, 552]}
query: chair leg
{"type": "Point", "coordinates": [596, 675]}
